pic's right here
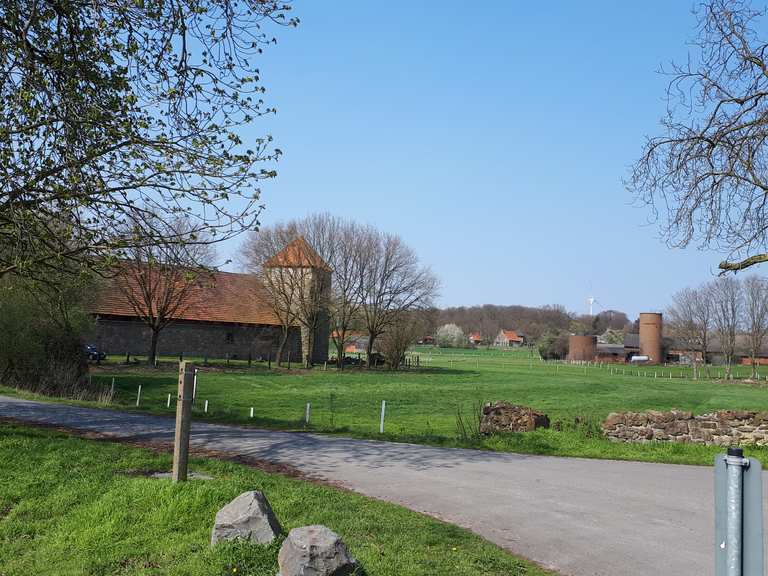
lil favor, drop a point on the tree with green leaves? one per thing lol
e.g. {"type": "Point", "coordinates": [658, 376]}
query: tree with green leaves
{"type": "Point", "coordinates": [119, 114]}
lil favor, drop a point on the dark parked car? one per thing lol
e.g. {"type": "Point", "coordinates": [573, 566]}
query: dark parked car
{"type": "Point", "coordinates": [94, 354]}
{"type": "Point", "coordinates": [378, 359]}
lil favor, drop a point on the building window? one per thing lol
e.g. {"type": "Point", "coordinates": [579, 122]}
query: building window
{"type": "Point", "coordinates": [229, 338]}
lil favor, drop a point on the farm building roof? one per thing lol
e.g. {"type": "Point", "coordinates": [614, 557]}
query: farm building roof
{"type": "Point", "coordinates": [225, 297]}
{"type": "Point", "coordinates": [632, 340]}
{"type": "Point", "coordinates": [603, 348]}
{"type": "Point", "coordinates": [512, 335]}
{"type": "Point", "coordinates": [297, 254]}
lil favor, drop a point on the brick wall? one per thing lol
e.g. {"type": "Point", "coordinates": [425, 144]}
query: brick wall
{"type": "Point", "coordinates": [120, 336]}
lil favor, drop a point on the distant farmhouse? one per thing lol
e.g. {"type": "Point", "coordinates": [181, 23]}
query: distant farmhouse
{"type": "Point", "coordinates": [508, 339]}
{"type": "Point", "coordinates": [649, 345]}
{"type": "Point", "coordinates": [356, 342]}
{"type": "Point", "coordinates": [228, 315]}
{"type": "Point", "coordinates": [475, 338]}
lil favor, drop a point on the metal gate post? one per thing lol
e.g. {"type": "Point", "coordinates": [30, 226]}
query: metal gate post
{"type": "Point", "coordinates": [735, 463]}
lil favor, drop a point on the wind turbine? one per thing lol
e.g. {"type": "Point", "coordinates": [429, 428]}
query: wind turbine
{"type": "Point", "coordinates": [591, 301]}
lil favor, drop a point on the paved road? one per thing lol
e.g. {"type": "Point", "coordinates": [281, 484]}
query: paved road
{"type": "Point", "coordinates": [580, 517]}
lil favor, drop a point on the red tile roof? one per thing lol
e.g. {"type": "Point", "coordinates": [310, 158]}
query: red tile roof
{"type": "Point", "coordinates": [512, 335]}
{"type": "Point", "coordinates": [226, 297]}
{"type": "Point", "coordinates": [298, 254]}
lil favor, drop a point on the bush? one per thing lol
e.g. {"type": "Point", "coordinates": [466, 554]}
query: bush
{"type": "Point", "coordinates": [403, 332]}
{"type": "Point", "coordinates": [553, 345]}
{"type": "Point", "coordinates": [41, 337]}
{"type": "Point", "coordinates": [451, 336]}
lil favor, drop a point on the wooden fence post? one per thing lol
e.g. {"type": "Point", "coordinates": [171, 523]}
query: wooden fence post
{"type": "Point", "coordinates": [183, 422]}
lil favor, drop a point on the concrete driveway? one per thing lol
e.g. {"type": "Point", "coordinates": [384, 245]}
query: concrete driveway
{"type": "Point", "coordinates": [579, 517]}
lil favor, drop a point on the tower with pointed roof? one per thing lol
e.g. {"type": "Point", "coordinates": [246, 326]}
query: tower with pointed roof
{"type": "Point", "coordinates": [307, 277]}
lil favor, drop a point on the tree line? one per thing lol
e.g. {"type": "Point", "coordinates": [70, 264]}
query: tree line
{"type": "Point", "coordinates": [532, 322]}
{"type": "Point", "coordinates": [716, 314]}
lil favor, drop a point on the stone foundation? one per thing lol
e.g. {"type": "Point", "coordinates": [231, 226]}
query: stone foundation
{"type": "Point", "coordinates": [723, 428]}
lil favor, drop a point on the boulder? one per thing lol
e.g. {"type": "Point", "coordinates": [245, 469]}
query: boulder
{"type": "Point", "coordinates": [314, 551]}
{"type": "Point", "coordinates": [250, 517]}
{"type": "Point", "coordinates": [506, 417]}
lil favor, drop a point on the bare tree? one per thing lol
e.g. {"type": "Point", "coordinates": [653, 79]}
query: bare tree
{"type": "Point", "coordinates": [281, 283]}
{"type": "Point", "coordinates": [161, 282]}
{"type": "Point", "coordinates": [681, 318]}
{"type": "Point", "coordinates": [727, 303]}
{"type": "Point", "coordinates": [705, 177]}
{"type": "Point", "coordinates": [393, 282]}
{"type": "Point", "coordinates": [347, 260]}
{"type": "Point", "coordinates": [406, 327]}
{"type": "Point", "coordinates": [340, 243]}
{"type": "Point", "coordinates": [703, 315]}
{"type": "Point", "coordinates": [375, 277]}
{"type": "Point", "coordinates": [755, 316]}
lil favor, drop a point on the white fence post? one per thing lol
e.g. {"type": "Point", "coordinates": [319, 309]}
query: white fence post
{"type": "Point", "coordinates": [383, 412]}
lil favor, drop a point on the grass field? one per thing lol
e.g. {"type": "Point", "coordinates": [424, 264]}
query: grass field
{"type": "Point", "coordinates": [422, 404]}
{"type": "Point", "coordinates": [70, 507]}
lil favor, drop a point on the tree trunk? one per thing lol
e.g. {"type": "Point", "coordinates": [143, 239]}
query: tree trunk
{"type": "Point", "coordinates": [281, 345]}
{"type": "Point", "coordinates": [695, 365]}
{"type": "Point", "coordinates": [153, 347]}
{"type": "Point", "coordinates": [310, 342]}
{"type": "Point", "coordinates": [754, 366]}
{"type": "Point", "coordinates": [369, 351]}
{"type": "Point", "coordinates": [704, 355]}
{"type": "Point", "coordinates": [339, 343]}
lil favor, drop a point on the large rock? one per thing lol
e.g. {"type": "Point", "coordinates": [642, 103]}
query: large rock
{"type": "Point", "coordinates": [250, 517]}
{"type": "Point", "coordinates": [314, 551]}
{"type": "Point", "coordinates": [506, 417]}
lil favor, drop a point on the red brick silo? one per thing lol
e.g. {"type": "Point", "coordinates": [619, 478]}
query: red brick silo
{"type": "Point", "coordinates": [582, 348]}
{"type": "Point", "coordinates": [650, 336]}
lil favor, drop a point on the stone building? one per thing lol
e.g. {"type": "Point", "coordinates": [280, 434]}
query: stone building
{"type": "Point", "coordinates": [228, 316]}
{"type": "Point", "coordinates": [308, 278]}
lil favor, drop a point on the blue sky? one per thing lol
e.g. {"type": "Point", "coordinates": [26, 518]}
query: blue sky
{"type": "Point", "coordinates": [492, 137]}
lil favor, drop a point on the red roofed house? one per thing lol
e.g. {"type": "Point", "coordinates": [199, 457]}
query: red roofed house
{"type": "Point", "coordinates": [475, 338]}
{"type": "Point", "coordinates": [508, 339]}
{"type": "Point", "coordinates": [227, 315]}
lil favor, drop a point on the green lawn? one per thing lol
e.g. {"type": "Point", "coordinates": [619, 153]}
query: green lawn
{"type": "Point", "coordinates": [70, 506]}
{"type": "Point", "coordinates": [422, 404]}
